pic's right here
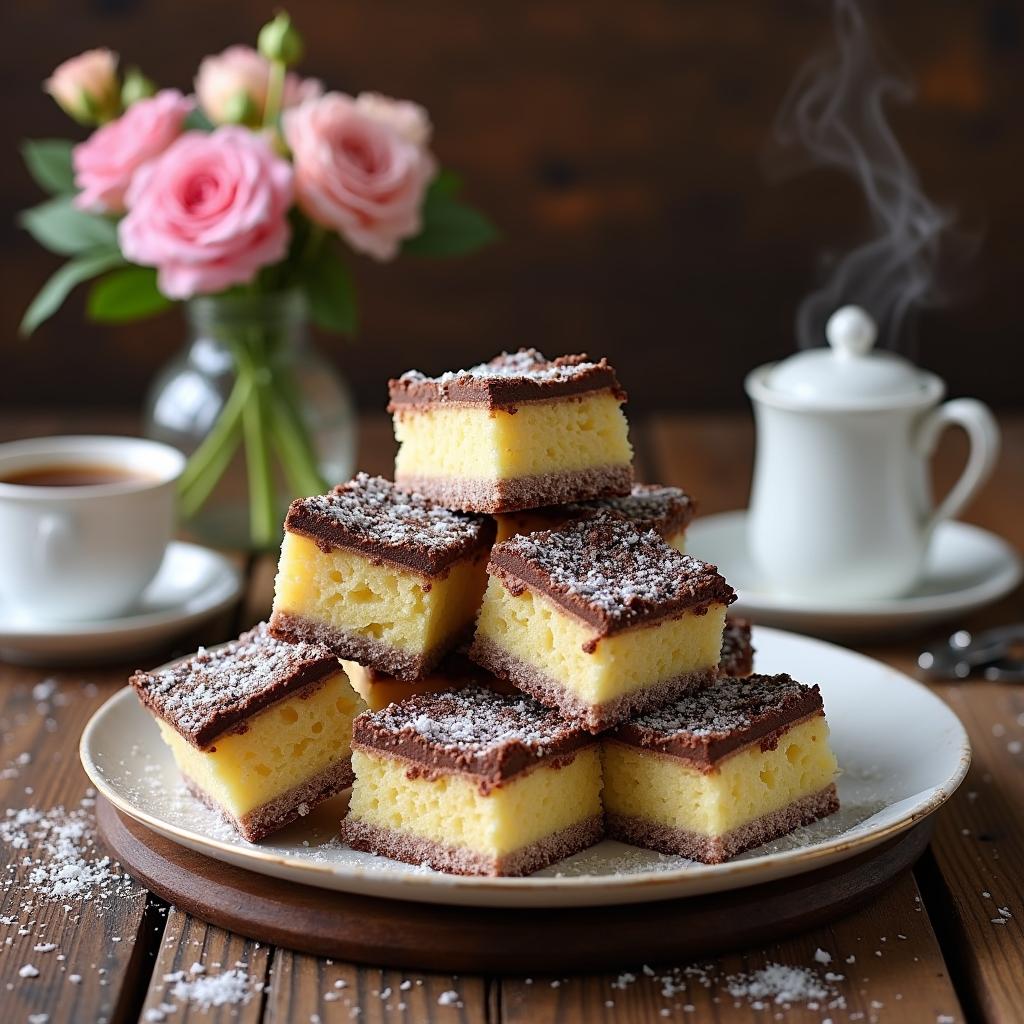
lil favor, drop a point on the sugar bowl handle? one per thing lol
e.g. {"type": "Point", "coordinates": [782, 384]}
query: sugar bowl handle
{"type": "Point", "coordinates": [982, 432]}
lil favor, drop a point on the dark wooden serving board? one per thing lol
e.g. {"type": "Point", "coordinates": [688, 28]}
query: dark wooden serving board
{"type": "Point", "coordinates": [395, 933]}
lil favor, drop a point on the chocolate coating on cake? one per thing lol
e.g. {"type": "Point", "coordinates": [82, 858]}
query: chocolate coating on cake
{"type": "Point", "coordinates": [373, 516]}
{"type": "Point", "coordinates": [608, 573]}
{"type": "Point", "coordinates": [737, 650]}
{"type": "Point", "coordinates": [473, 730]}
{"type": "Point", "coordinates": [508, 380]}
{"type": "Point", "coordinates": [666, 510]}
{"type": "Point", "coordinates": [206, 695]}
{"type": "Point", "coordinates": [704, 726]}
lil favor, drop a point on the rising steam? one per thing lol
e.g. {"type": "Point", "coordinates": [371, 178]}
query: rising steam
{"type": "Point", "coordinates": [834, 116]}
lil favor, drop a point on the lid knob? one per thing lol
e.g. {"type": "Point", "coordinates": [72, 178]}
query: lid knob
{"type": "Point", "coordinates": [850, 331]}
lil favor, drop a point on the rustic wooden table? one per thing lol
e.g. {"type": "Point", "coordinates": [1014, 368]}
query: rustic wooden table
{"type": "Point", "coordinates": [934, 947]}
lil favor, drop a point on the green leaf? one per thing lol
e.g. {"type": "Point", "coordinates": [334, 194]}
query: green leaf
{"type": "Point", "coordinates": [450, 228]}
{"type": "Point", "coordinates": [446, 182]}
{"type": "Point", "coordinates": [61, 227]}
{"type": "Point", "coordinates": [49, 163]}
{"type": "Point", "coordinates": [59, 286]}
{"type": "Point", "coordinates": [331, 292]}
{"type": "Point", "coordinates": [130, 293]}
{"type": "Point", "coordinates": [197, 121]}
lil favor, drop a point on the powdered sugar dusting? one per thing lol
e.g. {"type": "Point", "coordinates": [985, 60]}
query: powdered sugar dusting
{"type": "Point", "coordinates": [730, 706]}
{"type": "Point", "coordinates": [474, 720]}
{"type": "Point", "coordinates": [212, 684]}
{"type": "Point", "coordinates": [526, 364]}
{"type": "Point", "coordinates": [612, 565]}
{"type": "Point", "coordinates": [232, 987]}
{"type": "Point", "coordinates": [652, 506]}
{"type": "Point", "coordinates": [375, 510]}
{"type": "Point", "coordinates": [56, 857]}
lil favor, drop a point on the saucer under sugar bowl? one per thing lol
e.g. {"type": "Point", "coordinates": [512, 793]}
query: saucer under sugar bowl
{"type": "Point", "coordinates": [840, 503]}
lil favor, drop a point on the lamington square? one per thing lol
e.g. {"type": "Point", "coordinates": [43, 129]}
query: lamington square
{"type": "Point", "coordinates": [600, 620]}
{"type": "Point", "coordinates": [473, 782]}
{"type": "Point", "coordinates": [518, 432]}
{"type": "Point", "coordinates": [666, 510]}
{"type": "Point", "coordinates": [380, 576]}
{"type": "Point", "coordinates": [721, 770]}
{"type": "Point", "coordinates": [737, 649]}
{"type": "Point", "coordinates": [260, 729]}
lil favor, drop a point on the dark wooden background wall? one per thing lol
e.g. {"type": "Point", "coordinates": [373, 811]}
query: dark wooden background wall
{"type": "Point", "coordinates": [617, 144]}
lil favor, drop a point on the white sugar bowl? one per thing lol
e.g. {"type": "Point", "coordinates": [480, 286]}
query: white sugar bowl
{"type": "Point", "coordinates": [840, 505]}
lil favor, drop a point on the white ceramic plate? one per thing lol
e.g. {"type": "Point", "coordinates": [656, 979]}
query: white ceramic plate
{"type": "Point", "coordinates": [192, 584]}
{"type": "Point", "coordinates": [901, 750]}
{"type": "Point", "coordinates": [967, 568]}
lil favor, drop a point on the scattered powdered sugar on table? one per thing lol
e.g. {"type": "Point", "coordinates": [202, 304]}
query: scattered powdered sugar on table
{"type": "Point", "coordinates": [781, 984]}
{"type": "Point", "coordinates": [58, 857]}
{"type": "Point", "coordinates": [234, 987]}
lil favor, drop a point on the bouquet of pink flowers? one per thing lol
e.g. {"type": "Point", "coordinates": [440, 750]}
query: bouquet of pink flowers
{"type": "Point", "coordinates": [257, 183]}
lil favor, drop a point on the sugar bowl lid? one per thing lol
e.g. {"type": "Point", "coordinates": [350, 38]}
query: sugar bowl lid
{"type": "Point", "coordinates": [848, 373]}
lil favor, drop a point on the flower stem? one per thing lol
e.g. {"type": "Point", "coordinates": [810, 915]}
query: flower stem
{"type": "Point", "coordinates": [314, 240]}
{"type": "Point", "coordinates": [294, 445]}
{"type": "Point", "coordinates": [275, 94]}
{"type": "Point", "coordinates": [263, 525]}
{"type": "Point", "coordinates": [208, 462]}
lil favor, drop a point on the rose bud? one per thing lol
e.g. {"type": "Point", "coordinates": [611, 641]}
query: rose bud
{"type": "Point", "coordinates": [86, 87]}
{"type": "Point", "coordinates": [280, 41]}
{"type": "Point", "coordinates": [232, 87]}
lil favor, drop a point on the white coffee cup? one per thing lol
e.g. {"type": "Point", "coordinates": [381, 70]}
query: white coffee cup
{"type": "Point", "coordinates": [84, 552]}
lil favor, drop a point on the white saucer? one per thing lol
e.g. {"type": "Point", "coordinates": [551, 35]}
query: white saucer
{"type": "Point", "coordinates": [967, 568]}
{"type": "Point", "coordinates": [192, 584]}
{"type": "Point", "coordinates": [902, 752]}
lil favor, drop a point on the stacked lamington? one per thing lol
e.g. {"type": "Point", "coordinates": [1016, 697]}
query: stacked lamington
{"type": "Point", "coordinates": [542, 663]}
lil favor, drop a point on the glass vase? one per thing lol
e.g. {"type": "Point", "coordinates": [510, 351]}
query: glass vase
{"type": "Point", "coordinates": [263, 417]}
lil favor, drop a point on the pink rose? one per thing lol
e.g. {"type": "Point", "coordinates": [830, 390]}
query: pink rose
{"type": "Point", "coordinates": [409, 119]}
{"type": "Point", "coordinates": [209, 212]}
{"type": "Point", "coordinates": [86, 86]}
{"type": "Point", "coordinates": [105, 162]}
{"type": "Point", "coordinates": [232, 86]}
{"type": "Point", "coordinates": [356, 174]}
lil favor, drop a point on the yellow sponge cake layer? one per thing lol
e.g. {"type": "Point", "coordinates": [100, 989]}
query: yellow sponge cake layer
{"type": "Point", "coordinates": [473, 782]}
{"type": "Point", "coordinates": [301, 738]}
{"type": "Point", "coordinates": [379, 576]}
{"type": "Point", "coordinates": [450, 810]}
{"type": "Point", "coordinates": [376, 605]}
{"type": "Point", "coordinates": [743, 788]}
{"type": "Point", "coordinates": [714, 774]}
{"type": "Point", "coordinates": [548, 643]}
{"type": "Point", "coordinates": [518, 432]}
{"type": "Point", "coordinates": [260, 729]}
{"type": "Point", "coordinates": [600, 619]}
{"type": "Point", "coordinates": [560, 436]}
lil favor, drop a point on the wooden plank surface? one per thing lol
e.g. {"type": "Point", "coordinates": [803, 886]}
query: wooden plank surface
{"type": "Point", "coordinates": [883, 957]}
{"type": "Point", "coordinates": [954, 963]}
{"type": "Point", "coordinates": [197, 965]}
{"type": "Point", "coordinates": [307, 988]}
{"type": "Point", "coordinates": [87, 951]}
